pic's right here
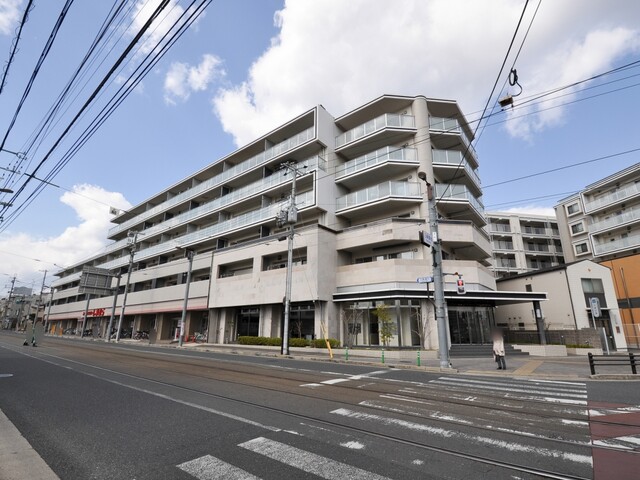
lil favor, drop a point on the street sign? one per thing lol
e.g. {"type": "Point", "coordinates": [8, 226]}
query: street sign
{"type": "Point", "coordinates": [594, 302]}
{"type": "Point", "coordinates": [424, 280]}
{"type": "Point", "coordinates": [426, 238]}
{"type": "Point", "coordinates": [95, 281]}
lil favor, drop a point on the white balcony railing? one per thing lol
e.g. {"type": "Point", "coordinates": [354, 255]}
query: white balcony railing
{"type": "Point", "coordinates": [451, 125]}
{"type": "Point", "coordinates": [219, 179]}
{"type": "Point", "coordinates": [632, 241]}
{"type": "Point", "coordinates": [388, 120]}
{"type": "Point", "coordinates": [455, 157]}
{"type": "Point", "coordinates": [456, 191]}
{"type": "Point", "coordinates": [613, 197]}
{"type": "Point", "coordinates": [378, 157]}
{"type": "Point", "coordinates": [256, 216]}
{"type": "Point", "coordinates": [255, 188]}
{"type": "Point", "coordinates": [377, 192]}
{"type": "Point", "coordinates": [631, 215]}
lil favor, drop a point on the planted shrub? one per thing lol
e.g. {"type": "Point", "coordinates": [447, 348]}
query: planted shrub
{"type": "Point", "coordinates": [268, 341]}
{"type": "Point", "coordinates": [299, 342]}
{"type": "Point", "coordinates": [320, 343]}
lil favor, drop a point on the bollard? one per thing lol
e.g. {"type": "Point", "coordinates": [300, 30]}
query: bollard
{"type": "Point", "coordinates": [382, 356]}
{"type": "Point", "coordinates": [346, 354]}
{"type": "Point", "coordinates": [418, 359]}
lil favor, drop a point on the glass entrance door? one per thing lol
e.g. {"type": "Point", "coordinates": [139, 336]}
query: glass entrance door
{"type": "Point", "coordinates": [470, 325]}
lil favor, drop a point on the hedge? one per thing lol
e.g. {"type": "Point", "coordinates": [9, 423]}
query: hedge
{"type": "Point", "coordinates": [320, 343]}
{"type": "Point", "coordinates": [269, 341]}
{"type": "Point", "coordinates": [293, 342]}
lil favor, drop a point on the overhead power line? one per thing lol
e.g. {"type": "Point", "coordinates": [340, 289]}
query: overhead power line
{"type": "Point", "coordinates": [14, 44]}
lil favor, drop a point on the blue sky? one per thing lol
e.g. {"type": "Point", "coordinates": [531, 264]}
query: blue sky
{"type": "Point", "coordinates": [248, 65]}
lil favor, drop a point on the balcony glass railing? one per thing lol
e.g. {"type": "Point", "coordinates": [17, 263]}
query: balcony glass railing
{"type": "Point", "coordinates": [537, 248]}
{"type": "Point", "coordinates": [451, 125]}
{"type": "Point", "coordinates": [378, 157]}
{"type": "Point", "coordinates": [219, 179]}
{"type": "Point", "coordinates": [499, 227]}
{"type": "Point", "coordinates": [388, 120]}
{"type": "Point", "coordinates": [631, 241]}
{"type": "Point", "coordinates": [534, 231]}
{"type": "Point", "coordinates": [256, 216]}
{"type": "Point", "coordinates": [378, 192]}
{"type": "Point", "coordinates": [612, 197]}
{"type": "Point", "coordinates": [502, 245]}
{"type": "Point", "coordinates": [454, 157]}
{"type": "Point", "coordinates": [631, 215]}
{"type": "Point", "coordinates": [505, 263]}
{"type": "Point", "coordinates": [456, 191]}
{"type": "Point", "coordinates": [278, 178]}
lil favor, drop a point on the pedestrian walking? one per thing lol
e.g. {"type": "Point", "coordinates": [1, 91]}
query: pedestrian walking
{"type": "Point", "coordinates": [498, 350]}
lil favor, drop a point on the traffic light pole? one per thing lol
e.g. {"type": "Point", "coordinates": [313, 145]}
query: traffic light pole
{"type": "Point", "coordinates": [438, 277]}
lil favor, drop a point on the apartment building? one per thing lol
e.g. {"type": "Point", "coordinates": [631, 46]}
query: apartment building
{"type": "Point", "coordinates": [602, 221]}
{"type": "Point", "coordinates": [523, 243]}
{"type": "Point", "coordinates": [360, 208]}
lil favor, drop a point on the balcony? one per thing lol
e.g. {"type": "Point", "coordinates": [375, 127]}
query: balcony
{"type": "Point", "coordinates": [383, 162]}
{"type": "Point", "coordinates": [384, 197]}
{"type": "Point", "coordinates": [627, 243]}
{"type": "Point", "coordinates": [612, 198]}
{"type": "Point", "coordinates": [450, 165]}
{"type": "Point", "coordinates": [538, 250]}
{"type": "Point", "coordinates": [467, 240]}
{"type": "Point", "coordinates": [500, 229]}
{"type": "Point", "coordinates": [383, 130]}
{"type": "Point", "coordinates": [457, 202]}
{"type": "Point", "coordinates": [447, 129]}
{"type": "Point", "coordinates": [279, 178]}
{"type": "Point", "coordinates": [502, 245]}
{"type": "Point", "coordinates": [535, 232]}
{"type": "Point", "coordinates": [630, 216]}
{"type": "Point", "coordinates": [240, 222]}
{"type": "Point", "coordinates": [505, 263]}
{"type": "Point", "coordinates": [249, 164]}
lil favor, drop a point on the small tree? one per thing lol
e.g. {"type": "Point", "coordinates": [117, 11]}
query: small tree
{"type": "Point", "coordinates": [421, 322]}
{"type": "Point", "coordinates": [386, 326]}
{"type": "Point", "coordinates": [351, 317]}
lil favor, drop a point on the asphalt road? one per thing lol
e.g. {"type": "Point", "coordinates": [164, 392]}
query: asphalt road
{"type": "Point", "coordinates": [98, 411]}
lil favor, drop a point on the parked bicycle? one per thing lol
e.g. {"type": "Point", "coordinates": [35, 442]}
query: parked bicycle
{"type": "Point", "coordinates": [141, 335]}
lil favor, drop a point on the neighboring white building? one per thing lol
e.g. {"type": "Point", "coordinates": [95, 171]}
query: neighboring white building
{"type": "Point", "coordinates": [523, 243]}
{"type": "Point", "coordinates": [570, 289]}
{"type": "Point", "coordinates": [361, 208]}
{"type": "Point", "coordinates": [602, 221]}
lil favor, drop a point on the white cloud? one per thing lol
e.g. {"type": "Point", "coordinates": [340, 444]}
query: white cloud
{"type": "Point", "coordinates": [182, 79]}
{"type": "Point", "coordinates": [9, 15]}
{"type": "Point", "coordinates": [533, 210]}
{"type": "Point", "coordinates": [341, 54]}
{"type": "Point", "coordinates": [74, 244]}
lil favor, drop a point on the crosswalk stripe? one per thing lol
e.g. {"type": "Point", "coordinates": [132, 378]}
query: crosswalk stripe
{"type": "Point", "coordinates": [309, 462]}
{"type": "Point", "coordinates": [628, 442]}
{"type": "Point", "coordinates": [576, 399]}
{"type": "Point", "coordinates": [212, 468]}
{"type": "Point", "coordinates": [512, 384]}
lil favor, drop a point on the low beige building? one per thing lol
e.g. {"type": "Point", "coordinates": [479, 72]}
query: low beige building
{"type": "Point", "coordinates": [570, 289]}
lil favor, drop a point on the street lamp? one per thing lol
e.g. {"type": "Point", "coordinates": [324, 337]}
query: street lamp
{"type": "Point", "coordinates": [189, 254]}
{"type": "Point", "coordinates": [438, 279]}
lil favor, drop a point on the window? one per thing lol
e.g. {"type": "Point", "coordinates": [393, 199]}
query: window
{"type": "Point", "coordinates": [592, 285]}
{"type": "Point", "coordinates": [573, 209]}
{"type": "Point", "coordinates": [581, 248]}
{"type": "Point", "coordinates": [577, 228]}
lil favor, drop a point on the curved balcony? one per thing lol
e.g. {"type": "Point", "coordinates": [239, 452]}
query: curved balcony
{"type": "Point", "coordinates": [451, 165]}
{"type": "Point", "coordinates": [458, 203]}
{"type": "Point", "coordinates": [612, 198]}
{"type": "Point", "coordinates": [383, 130]}
{"type": "Point", "coordinates": [240, 222]}
{"type": "Point", "coordinates": [382, 162]}
{"type": "Point", "coordinates": [384, 198]}
{"type": "Point", "coordinates": [448, 132]}
{"type": "Point", "coordinates": [628, 217]}
{"type": "Point", "coordinates": [218, 180]}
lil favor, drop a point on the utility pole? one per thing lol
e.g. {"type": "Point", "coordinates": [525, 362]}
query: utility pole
{"type": "Point", "coordinates": [39, 302]}
{"type": "Point", "coordinates": [113, 307]}
{"type": "Point", "coordinates": [438, 277]}
{"type": "Point", "coordinates": [190, 254]}
{"type": "Point", "coordinates": [133, 238]}
{"type": "Point", "coordinates": [288, 216]}
{"type": "Point", "coordinates": [7, 310]}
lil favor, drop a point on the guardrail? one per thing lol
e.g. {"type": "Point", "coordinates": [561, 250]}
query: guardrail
{"type": "Point", "coordinates": [611, 360]}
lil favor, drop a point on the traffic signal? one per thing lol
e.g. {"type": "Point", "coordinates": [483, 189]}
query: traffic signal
{"type": "Point", "coordinates": [460, 285]}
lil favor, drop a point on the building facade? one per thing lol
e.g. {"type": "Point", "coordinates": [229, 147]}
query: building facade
{"type": "Point", "coordinates": [602, 221]}
{"type": "Point", "coordinates": [523, 243]}
{"type": "Point", "coordinates": [360, 208]}
{"type": "Point", "coordinates": [569, 305]}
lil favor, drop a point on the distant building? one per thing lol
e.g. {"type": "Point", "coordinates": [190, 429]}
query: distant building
{"type": "Point", "coordinates": [24, 291]}
{"type": "Point", "coordinates": [602, 221]}
{"type": "Point", "coordinates": [568, 308]}
{"type": "Point", "coordinates": [523, 243]}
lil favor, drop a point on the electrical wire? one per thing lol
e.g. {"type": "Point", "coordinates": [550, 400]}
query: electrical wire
{"type": "Point", "coordinates": [14, 44]}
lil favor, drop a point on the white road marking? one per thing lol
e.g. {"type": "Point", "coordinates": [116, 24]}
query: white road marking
{"type": "Point", "coordinates": [442, 432]}
{"type": "Point", "coordinates": [309, 462]}
{"type": "Point", "coordinates": [6, 375]}
{"type": "Point", "coordinates": [212, 468]}
{"type": "Point", "coordinates": [418, 462]}
{"type": "Point", "coordinates": [348, 378]}
{"type": "Point", "coordinates": [509, 384]}
{"type": "Point", "coordinates": [574, 422]}
{"type": "Point", "coordinates": [353, 445]}
{"type": "Point", "coordinates": [597, 412]}
{"type": "Point", "coordinates": [558, 382]}
{"type": "Point", "coordinates": [311, 385]}
{"type": "Point", "coordinates": [497, 388]}
{"type": "Point", "coordinates": [333, 381]}
{"type": "Point", "coordinates": [630, 442]}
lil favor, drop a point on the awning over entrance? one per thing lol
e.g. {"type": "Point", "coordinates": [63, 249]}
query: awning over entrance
{"type": "Point", "coordinates": [492, 297]}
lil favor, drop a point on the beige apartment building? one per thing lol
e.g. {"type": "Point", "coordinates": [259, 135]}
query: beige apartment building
{"type": "Point", "coordinates": [523, 243]}
{"type": "Point", "coordinates": [360, 208]}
